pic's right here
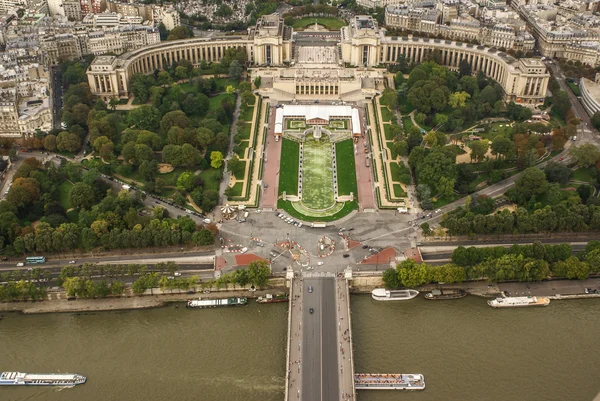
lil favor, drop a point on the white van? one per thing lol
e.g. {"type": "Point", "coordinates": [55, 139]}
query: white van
{"type": "Point", "coordinates": [244, 250]}
{"type": "Point", "coordinates": [20, 264]}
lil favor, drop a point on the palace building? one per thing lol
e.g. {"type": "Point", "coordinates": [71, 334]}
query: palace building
{"type": "Point", "coordinates": [322, 65]}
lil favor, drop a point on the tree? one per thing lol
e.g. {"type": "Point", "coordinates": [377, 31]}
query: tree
{"type": "Point", "coordinates": [235, 71]}
{"type": "Point", "coordinates": [390, 99]}
{"type": "Point", "coordinates": [257, 82]}
{"type": "Point", "coordinates": [426, 229]}
{"type": "Point", "coordinates": [50, 142]}
{"type": "Point", "coordinates": [561, 103]}
{"type": "Point", "coordinates": [586, 155]}
{"type": "Point", "coordinates": [103, 146]}
{"type": "Point", "coordinates": [390, 279]}
{"type": "Point", "coordinates": [596, 120]}
{"type": "Point", "coordinates": [531, 182]}
{"type": "Point", "coordinates": [258, 273]}
{"type": "Point", "coordinates": [185, 181]}
{"type": "Point", "coordinates": [248, 98]}
{"type": "Point", "coordinates": [464, 68]}
{"type": "Point", "coordinates": [82, 196]}
{"type": "Point", "coordinates": [557, 172]}
{"type": "Point", "coordinates": [69, 142]}
{"type": "Point", "coordinates": [478, 150]}
{"type": "Point", "coordinates": [144, 117]}
{"type": "Point", "coordinates": [501, 146]}
{"type": "Point", "coordinates": [216, 159]}
{"type": "Point", "coordinates": [411, 274]}
{"type": "Point", "coordinates": [174, 118]}
{"type": "Point", "coordinates": [236, 166]}
{"type": "Point", "coordinates": [180, 32]}
{"type": "Point", "coordinates": [458, 99]}
{"type": "Point", "coordinates": [488, 95]}
{"type": "Point", "coordinates": [205, 137]}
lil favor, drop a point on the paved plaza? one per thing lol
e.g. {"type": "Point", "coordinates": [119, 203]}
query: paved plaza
{"type": "Point", "coordinates": [317, 55]}
{"type": "Point", "coordinates": [379, 230]}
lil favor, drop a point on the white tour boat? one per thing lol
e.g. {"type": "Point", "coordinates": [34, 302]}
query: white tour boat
{"type": "Point", "coordinates": [381, 294]}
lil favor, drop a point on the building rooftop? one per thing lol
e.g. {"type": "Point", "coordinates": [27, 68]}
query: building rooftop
{"type": "Point", "coordinates": [103, 60]}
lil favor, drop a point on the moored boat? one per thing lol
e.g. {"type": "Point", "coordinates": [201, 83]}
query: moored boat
{"type": "Point", "coordinates": [381, 294]}
{"type": "Point", "coordinates": [389, 381]}
{"type": "Point", "coordinates": [273, 298]}
{"type": "Point", "coordinates": [213, 303]}
{"type": "Point", "coordinates": [518, 302]}
{"type": "Point", "coordinates": [445, 294]}
{"type": "Point", "coordinates": [30, 379]}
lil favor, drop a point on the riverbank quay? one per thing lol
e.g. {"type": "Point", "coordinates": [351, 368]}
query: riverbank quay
{"type": "Point", "coordinates": [58, 303]}
{"type": "Point", "coordinates": [554, 289]}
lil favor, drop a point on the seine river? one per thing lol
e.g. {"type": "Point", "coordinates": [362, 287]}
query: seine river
{"type": "Point", "coordinates": [466, 350]}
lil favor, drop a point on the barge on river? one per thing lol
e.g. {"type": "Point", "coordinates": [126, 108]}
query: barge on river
{"type": "Point", "coordinates": [213, 303]}
{"type": "Point", "coordinates": [445, 294]}
{"type": "Point", "coordinates": [270, 298]}
{"type": "Point", "coordinates": [381, 294]}
{"type": "Point", "coordinates": [389, 381]}
{"type": "Point", "coordinates": [30, 379]}
{"type": "Point", "coordinates": [518, 302]}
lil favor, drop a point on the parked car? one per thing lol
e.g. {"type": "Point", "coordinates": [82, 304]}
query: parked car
{"type": "Point", "coordinates": [310, 288]}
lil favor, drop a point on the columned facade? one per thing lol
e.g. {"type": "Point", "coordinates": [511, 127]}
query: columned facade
{"type": "Point", "coordinates": [524, 81]}
{"type": "Point", "coordinates": [269, 43]}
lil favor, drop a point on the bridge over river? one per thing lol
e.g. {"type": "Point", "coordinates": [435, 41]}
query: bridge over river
{"type": "Point", "coordinates": [319, 358]}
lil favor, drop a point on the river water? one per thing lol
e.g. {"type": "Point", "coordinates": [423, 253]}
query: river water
{"type": "Point", "coordinates": [235, 354]}
{"type": "Point", "coordinates": [466, 350]}
{"type": "Point", "coordinates": [471, 352]}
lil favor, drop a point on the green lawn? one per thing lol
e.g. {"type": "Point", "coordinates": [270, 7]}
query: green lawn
{"type": "Point", "coordinates": [331, 23]}
{"type": "Point", "coordinates": [244, 170]}
{"type": "Point", "coordinates": [398, 192]}
{"type": "Point", "coordinates": [212, 178]}
{"type": "Point", "coordinates": [237, 189]}
{"type": "Point", "coordinates": [244, 131]}
{"type": "Point", "coordinates": [400, 173]}
{"type": "Point", "coordinates": [215, 101]}
{"type": "Point", "coordinates": [223, 83]}
{"type": "Point", "coordinates": [288, 172]}
{"type": "Point", "coordinates": [64, 190]}
{"type": "Point", "coordinates": [408, 124]}
{"type": "Point", "coordinates": [386, 114]}
{"type": "Point", "coordinates": [240, 149]}
{"type": "Point", "coordinates": [317, 168]}
{"type": "Point", "coordinates": [246, 113]}
{"type": "Point", "coordinates": [346, 169]}
{"type": "Point", "coordinates": [387, 129]}
{"type": "Point", "coordinates": [287, 206]}
{"type": "Point", "coordinates": [574, 88]}
{"type": "Point", "coordinates": [583, 174]}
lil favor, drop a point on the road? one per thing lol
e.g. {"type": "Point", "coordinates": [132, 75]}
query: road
{"type": "Point", "coordinates": [148, 200]}
{"type": "Point", "coordinates": [56, 95]}
{"type": "Point", "coordinates": [586, 132]}
{"type": "Point", "coordinates": [320, 377]}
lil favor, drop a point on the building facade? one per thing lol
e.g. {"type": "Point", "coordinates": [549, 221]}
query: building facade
{"type": "Point", "coordinates": [362, 44]}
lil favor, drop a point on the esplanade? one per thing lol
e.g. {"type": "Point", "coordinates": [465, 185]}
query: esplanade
{"type": "Point", "coordinates": [272, 49]}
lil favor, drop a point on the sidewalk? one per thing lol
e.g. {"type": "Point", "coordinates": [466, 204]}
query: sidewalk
{"type": "Point", "coordinates": [346, 379]}
{"type": "Point", "coordinates": [294, 360]}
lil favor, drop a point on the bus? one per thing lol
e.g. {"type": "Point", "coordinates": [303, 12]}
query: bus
{"type": "Point", "coordinates": [35, 260]}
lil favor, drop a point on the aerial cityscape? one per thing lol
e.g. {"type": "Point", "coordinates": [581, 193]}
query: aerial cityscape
{"type": "Point", "coordinates": [329, 168]}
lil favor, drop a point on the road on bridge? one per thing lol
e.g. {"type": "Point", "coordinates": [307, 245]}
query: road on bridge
{"type": "Point", "coordinates": [320, 374]}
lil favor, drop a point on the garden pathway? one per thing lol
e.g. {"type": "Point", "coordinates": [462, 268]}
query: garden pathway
{"type": "Point", "coordinates": [377, 160]}
{"type": "Point", "coordinates": [390, 196]}
{"type": "Point", "coordinates": [252, 177]}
